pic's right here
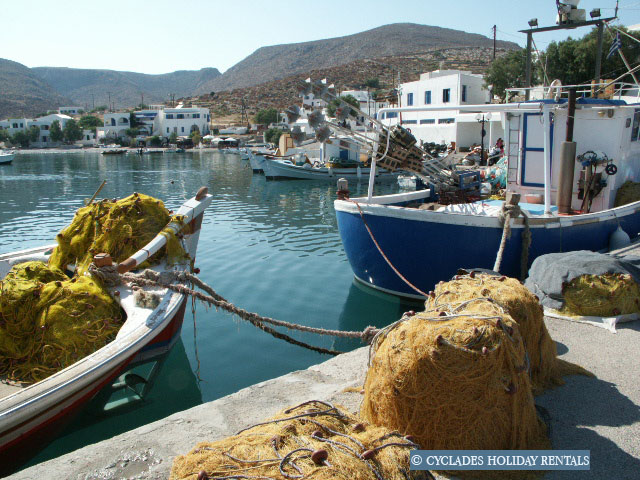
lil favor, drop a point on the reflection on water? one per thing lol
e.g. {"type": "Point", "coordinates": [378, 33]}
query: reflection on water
{"type": "Point", "coordinates": [270, 247]}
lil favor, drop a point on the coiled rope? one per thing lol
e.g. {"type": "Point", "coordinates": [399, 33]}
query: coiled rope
{"type": "Point", "coordinates": [111, 278]}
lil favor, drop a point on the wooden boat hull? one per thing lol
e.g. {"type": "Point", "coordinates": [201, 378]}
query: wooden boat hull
{"type": "Point", "coordinates": [427, 247]}
{"type": "Point", "coordinates": [31, 417]}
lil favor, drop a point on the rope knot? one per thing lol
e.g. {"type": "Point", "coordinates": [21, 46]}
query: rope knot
{"type": "Point", "coordinates": [369, 334]}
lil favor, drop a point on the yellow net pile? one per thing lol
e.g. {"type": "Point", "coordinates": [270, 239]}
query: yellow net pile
{"type": "Point", "coordinates": [117, 227]}
{"type": "Point", "coordinates": [313, 440]}
{"type": "Point", "coordinates": [456, 381]}
{"type": "Point", "coordinates": [629, 192]}
{"type": "Point", "coordinates": [49, 321]}
{"type": "Point", "coordinates": [607, 295]}
{"type": "Point", "coordinates": [523, 307]}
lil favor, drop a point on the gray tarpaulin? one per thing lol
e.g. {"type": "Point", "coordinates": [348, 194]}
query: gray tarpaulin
{"type": "Point", "coordinates": [549, 272]}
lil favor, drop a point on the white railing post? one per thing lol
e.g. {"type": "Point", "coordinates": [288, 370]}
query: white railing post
{"type": "Point", "coordinates": [546, 124]}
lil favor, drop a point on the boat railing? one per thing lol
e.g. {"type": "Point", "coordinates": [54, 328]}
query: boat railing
{"type": "Point", "coordinates": [605, 89]}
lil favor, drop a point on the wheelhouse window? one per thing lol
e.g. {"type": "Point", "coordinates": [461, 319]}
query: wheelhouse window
{"type": "Point", "coordinates": [409, 99]}
{"type": "Point", "coordinates": [446, 95]}
{"type": "Point", "coordinates": [427, 121]}
{"type": "Point", "coordinates": [464, 93]}
{"type": "Point", "coordinates": [446, 120]}
{"type": "Point", "coordinates": [427, 97]}
{"type": "Point", "coordinates": [409, 122]}
{"type": "Point", "coordinates": [636, 126]}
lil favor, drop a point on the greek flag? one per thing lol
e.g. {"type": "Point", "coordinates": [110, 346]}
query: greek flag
{"type": "Point", "coordinates": [615, 46]}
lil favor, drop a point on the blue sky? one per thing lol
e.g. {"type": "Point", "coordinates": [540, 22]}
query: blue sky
{"type": "Point", "coordinates": [162, 36]}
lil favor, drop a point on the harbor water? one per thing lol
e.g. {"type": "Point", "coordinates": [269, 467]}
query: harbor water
{"type": "Point", "coordinates": [270, 247]}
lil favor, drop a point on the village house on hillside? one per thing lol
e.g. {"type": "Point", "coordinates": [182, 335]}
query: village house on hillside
{"type": "Point", "coordinates": [446, 88]}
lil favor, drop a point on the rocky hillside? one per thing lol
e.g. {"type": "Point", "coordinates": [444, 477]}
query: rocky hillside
{"type": "Point", "coordinates": [86, 86]}
{"type": "Point", "coordinates": [226, 106]}
{"type": "Point", "coordinates": [280, 61]}
{"type": "Point", "coordinates": [24, 94]}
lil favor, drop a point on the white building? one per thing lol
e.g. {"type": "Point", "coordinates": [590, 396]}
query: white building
{"type": "Point", "coordinates": [181, 121]}
{"type": "Point", "coordinates": [115, 125]}
{"type": "Point", "coordinates": [13, 125]}
{"type": "Point", "coordinates": [443, 88]}
{"type": "Point", "coordinates": [309, 102]}
{"type": "Point", "coordinates": [367, 103]}
{"type": "Point", "coordinates": [70, 110]}
{"type": "Point", "coordinates": [44, 124]}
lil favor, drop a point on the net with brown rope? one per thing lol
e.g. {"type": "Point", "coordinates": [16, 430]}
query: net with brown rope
{"type": "Point", "coordinates": [312, 440]}
{"type": "Point", "coordinates": [524, 308]}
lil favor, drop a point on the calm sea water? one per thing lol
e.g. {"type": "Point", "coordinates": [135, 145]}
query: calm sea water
{"type": "Point", "coordinates": [270, 247]}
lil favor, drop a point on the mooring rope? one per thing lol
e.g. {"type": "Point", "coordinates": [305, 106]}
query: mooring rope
{"type": "Point", "coordinates": [506, 214]}
{"type": "Point", "coordinates": [110, 277]}
{"type": "Point", "coordinates": [384, 256]}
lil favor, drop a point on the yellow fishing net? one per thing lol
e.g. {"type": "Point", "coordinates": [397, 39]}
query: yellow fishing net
{"type": "Point", "coordinates": [117, 227]}
{"type": "Point", "coordinates": [456, 379]}
{"type": "Point", "coordinates": [607, 295]}
{"type": "Point", "coordinates": [629, 192]}
{"type": "Point", "coordinates": [49, 321]}
{"type": "Point", "coordinates": [313, 440]}
{"type": "Point", "coordinates": [523, 307]}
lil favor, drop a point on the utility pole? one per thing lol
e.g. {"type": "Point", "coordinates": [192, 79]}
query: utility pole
{"type": "Point", "coordinates": [495, 27]}
{"type": "Point", "coordinates": [109, 93]}
{"type": "Point", "coordinates": [93, 101]}
{"type": "Point", "coordinates": [141, 101]}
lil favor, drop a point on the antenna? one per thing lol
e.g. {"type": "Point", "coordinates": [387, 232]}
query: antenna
{"type": "Point", "coordinates": [617, 6]}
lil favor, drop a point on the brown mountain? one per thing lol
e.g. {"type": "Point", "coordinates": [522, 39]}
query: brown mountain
{"type": "Point", "coordinates": [226, 105]}
{"type": "Point", "coordinates": [280, 61]}
{"type": "Point", "coordinates": [126, 89]}
{"type": "Point", "coordinates": [24, 94]}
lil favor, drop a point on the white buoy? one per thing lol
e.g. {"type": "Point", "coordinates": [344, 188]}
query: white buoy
{"type": "Point", "coordinates": [619, 239]}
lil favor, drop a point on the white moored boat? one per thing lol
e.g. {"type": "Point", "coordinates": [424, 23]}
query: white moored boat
{"type": "Point", "coordinates": [277, 169]}
{"type": "Point", "coordinates": [32, 416]}
{"type": "Point", "coordinates": [6, 158]}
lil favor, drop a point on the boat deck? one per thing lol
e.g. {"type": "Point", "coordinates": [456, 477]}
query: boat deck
{"type": "Point", "coordinates": [7, 388]}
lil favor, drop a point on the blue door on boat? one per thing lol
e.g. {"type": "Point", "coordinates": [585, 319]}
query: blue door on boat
{"type": "Point", "coordinates": [532, 174]}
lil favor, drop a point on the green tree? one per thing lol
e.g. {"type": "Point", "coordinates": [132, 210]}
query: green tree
{"type": "Point", "coordinates": [133, 121]}
{"type": "Point", "coordinates": [272, 135]}
{"type": "Point", "coordinates": [155, 141]}
{"type": "Point", "coordinates": [267, 116]}
{"type": "Point", "coordinates": [55, 132]}
{"type": "Point", "coordinates": [90, 122]}
{"type": "Point", "coordinates": [573, 61]}
{"type": "Point", "coordinates": [173, 138]}
{"type": "Point", "coordinates": [335, 103]}
{"type": "Point", "coordinates": [4, 135]}
{"type": "Point", "coordinates": [72, 131]}
{"type": "Point", "coordinates": [373, 83]}
{"type": "Point", "coordinates": [33, 133]}
{"type": "Point", "coordinates": [508, 71]}
{"type": "Point", "coordinates": [131, 132]}
{"type": "Point", "coordinates": [195, 135]}
{"type": "Point", "coordinates": [20, 138]}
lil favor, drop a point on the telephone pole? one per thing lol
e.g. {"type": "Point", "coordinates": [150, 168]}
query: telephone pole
{"type": "Point", "coordinates": [495, 27]}
{"type": "Point", "coordinates": [109, 101]}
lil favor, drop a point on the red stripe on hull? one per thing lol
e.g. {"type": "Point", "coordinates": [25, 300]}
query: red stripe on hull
{"type": "Point", "coordinates": [19, 451]}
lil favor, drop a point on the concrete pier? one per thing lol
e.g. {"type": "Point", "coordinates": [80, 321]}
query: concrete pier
{"type": "Point", "coordinates": [600, 414]}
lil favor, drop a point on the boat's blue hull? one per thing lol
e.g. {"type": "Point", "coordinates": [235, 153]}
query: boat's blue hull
{"type": "Point", "coordinates": [431, 249]}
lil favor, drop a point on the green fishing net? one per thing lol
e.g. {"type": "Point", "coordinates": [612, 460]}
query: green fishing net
{"type": "Point", "coordinates": [49, 321]}
{"type": "Point", "coordinates": [119, 228]}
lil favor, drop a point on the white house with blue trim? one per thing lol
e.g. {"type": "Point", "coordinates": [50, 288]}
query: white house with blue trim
{"type": "Point", "coordinates": [443, 88]}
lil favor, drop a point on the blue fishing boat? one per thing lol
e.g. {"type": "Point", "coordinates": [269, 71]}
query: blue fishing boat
{"type": "Point", "coordinates": [406, 243]}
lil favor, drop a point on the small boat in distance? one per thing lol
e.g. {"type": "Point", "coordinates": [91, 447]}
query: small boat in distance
{"type": "Point", "coordinates": [275, 169]}
{"type": "Point", "coordinates": [31, 416]}
{"type": "Point", "coordinates": [114, 151]}
{"type": "Point", "coordinates": [6, 158]}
